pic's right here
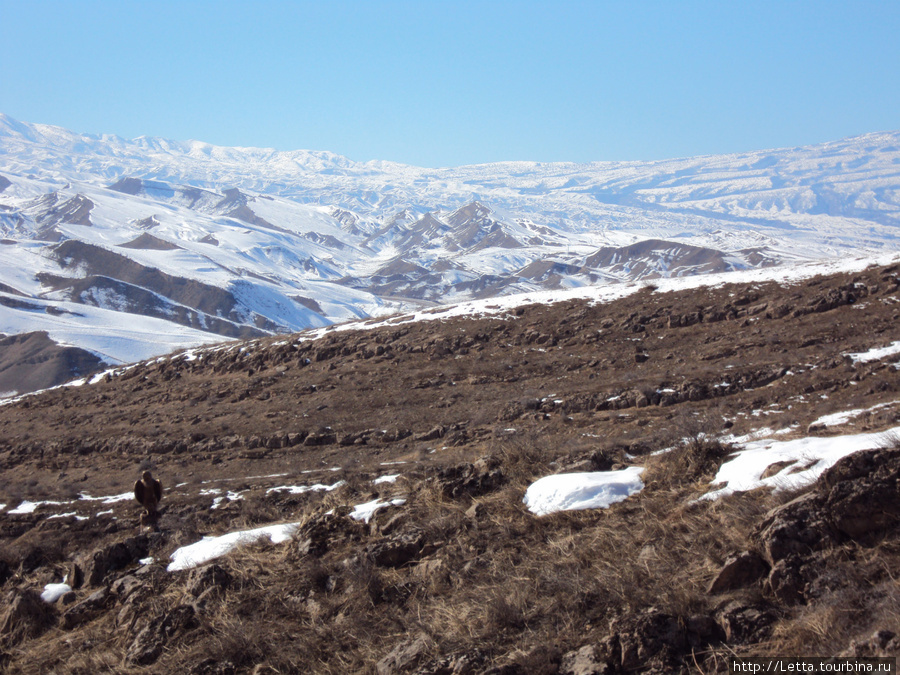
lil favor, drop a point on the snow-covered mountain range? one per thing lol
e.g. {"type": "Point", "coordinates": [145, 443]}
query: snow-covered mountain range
{"type": "Point", "coordinates": [131, 248]}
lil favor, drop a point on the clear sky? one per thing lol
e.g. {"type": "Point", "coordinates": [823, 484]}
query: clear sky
{"type": "Point", "coordinates": [445, 83]}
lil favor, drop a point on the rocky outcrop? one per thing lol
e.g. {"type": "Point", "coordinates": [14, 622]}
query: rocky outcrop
{"type": "Point", "coordinates": [26, 616]}
{"type": "Point", "coordinates": [651, 641]}
{"type": "Point", "coordinates": [88, 609]}
{"type": "Point", "coordinates": [397, 550]}
{"type": "Point", "coordinates": [150, 641]}
{"type": "Point", "coordinates": [114, 557]}
{"type": "Point", "coordinates": [858, 500]}
{"type": "Point", "coordinates": [739, 571]}
{"type": "Point", "coordinates": [472, 480]}
{"type": "Point", "coordinates": [316, 536]}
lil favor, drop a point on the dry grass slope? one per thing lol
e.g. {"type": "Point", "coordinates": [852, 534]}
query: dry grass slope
{"type": "Point", "coordinates": [462, 578]}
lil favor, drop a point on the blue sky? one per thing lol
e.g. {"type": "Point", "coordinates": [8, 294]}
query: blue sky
{"type": "Point", "coordinates": [438, 83]}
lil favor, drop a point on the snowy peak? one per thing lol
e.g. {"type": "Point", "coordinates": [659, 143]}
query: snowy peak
{"type": "Point", "coordinates": [474, 228]}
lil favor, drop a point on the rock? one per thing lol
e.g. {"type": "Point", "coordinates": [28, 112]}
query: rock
{"type": "Point", "coordinates": [315, 536]}
{"type": "Point", "coordinates": [404, 657]}
{"type": "Point", "coordinates": [589, 660]}
{"type": "Point", "coordinates": [115, 557]}
{"type": "Point", "coordinates": [857, 499]}
{"type": "Point", "coordinates": [396, 551]}
{"type": "Point", "coordinates": [126, 586]}
{"type": "Point", "coordinates": [88, 609]}
{"type": "Point", "coordinates": [787, 580]}
{"type": "Point", "coordinates": [208, 577]}
{"type": "Point", "coordinates": [149, 643]}
{"type": "Point", "coordinates": [881, 644]}
{"type": "Point", "coordinates": [476, 511]}
{"type": "Point", "coordinates": [739, 571]}
{"type": "Point", "coordinates": [878, 464]}
{"type": "Point", "coordinates": [75, 576]}
{"type": "Point", "coordinates": [746, 624]}
{"type": "Point", "coordinates": [800, 527]}
{"type": "Point", "coordinates": [652, 639]}
{"type": "Point", "coordinates": [26, 616]}
{"type": "Point", "coordinates": [862, 507]}
{"type": "Point", "coordinates": [470, 479]}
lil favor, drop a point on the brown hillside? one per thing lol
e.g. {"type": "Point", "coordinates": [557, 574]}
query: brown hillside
{"type": "Point", "coordinates": [461, 578]}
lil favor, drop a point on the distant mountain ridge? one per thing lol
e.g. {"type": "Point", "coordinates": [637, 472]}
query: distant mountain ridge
{"type": "Point", "coordinates": [129, 248]}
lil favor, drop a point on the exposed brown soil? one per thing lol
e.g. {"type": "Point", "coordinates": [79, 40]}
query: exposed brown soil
{"type": "Point", "coordinates": [462, 578]}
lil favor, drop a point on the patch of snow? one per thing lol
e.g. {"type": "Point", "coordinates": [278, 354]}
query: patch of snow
{"type": "Point", "coordinates": [111, 499]}
{"type": "Point", "coordinates": [66, 515]}
{"type": "Point", "coordinates": [364, 512]}
{"type": "Point", "coordinates": [387, 478]}
{"type": "Point", "coordinates": [53, 592]}
{"type": "Point", "coordinates": [300, 489]}
{"type": "Point", "coordinates": [229, 496]}
{"type": "Point", "coordinates": [839, 418]}
{"type": "Point", "coordinates": [210, 548]}
{"type": "Point", "coordinates": [754, 435]}
{"type": "Point", "coordinates": [876, 353]}
{"type": "Point", "coordinates": [836, 419]}
{"type": "Point", "coordinates": [809, 458]}
{"type": "Point", "coordinates": [30, 507]}
{"type": "Point", "coordinates": [576, 491]}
